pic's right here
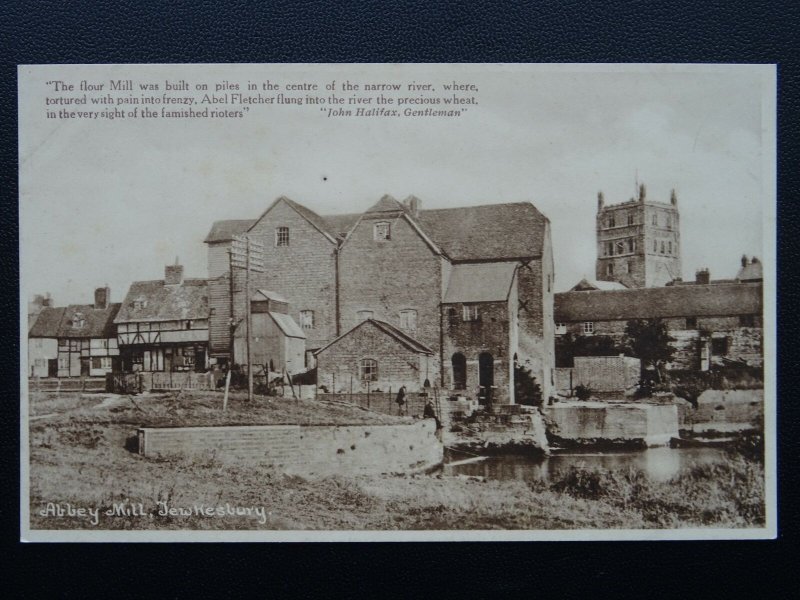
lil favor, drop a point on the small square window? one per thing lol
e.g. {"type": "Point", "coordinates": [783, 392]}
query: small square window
{"type": "Point", "coordinates": [561, 328]}
{"type": "Point", "coordinates": [281, 236]}
{"type": "Point", "coordinates": [307, 319]}
{"type": "Point", "coordinates": [587, 327]}
{"type": "Point", "coordinates": [719, 346]}
{"type": "Point", "coordinates": [382, 232]}
{"type": "Point", "coordinates": [470, 312]}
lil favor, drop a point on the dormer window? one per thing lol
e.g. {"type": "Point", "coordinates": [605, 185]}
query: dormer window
{"type": "Point", "coordinates": [382, 232]}
{"type": "Point", "coordinates": [78, 321]}
{"type": "Point", "coordinates": [281, 236]}
{"type": "Point", "coordinates": [140, 303]}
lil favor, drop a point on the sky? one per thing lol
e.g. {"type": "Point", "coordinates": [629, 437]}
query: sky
{"type": "Point", "coordinates": [111, 202]}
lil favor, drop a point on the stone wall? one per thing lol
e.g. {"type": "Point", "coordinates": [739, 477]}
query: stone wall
{"type": "Point", "coordinates": [305, 450]}
{"type": "Point", "coordinates": [607, 373]}
{"type": "Point", "coordinates": [727, 410]}
{"type": "Point", "coordinates": [598, 423]}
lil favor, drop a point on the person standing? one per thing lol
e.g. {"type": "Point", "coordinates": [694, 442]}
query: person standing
{"type": "Point", "coordinates": [401, 400]}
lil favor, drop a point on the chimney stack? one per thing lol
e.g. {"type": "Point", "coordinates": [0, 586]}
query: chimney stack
{"type": "Point", "coordinates": [173, 274]}
{"type": "Point", "coordinates": [600, 201]}
{"type": "Point", "coordinates": [702, 276]}
{"type": "Point", "coordinates": [412, 203]}
{"type": "Point", "coordinates": [642, 192]}
{"type": "Point", "coordinates": [102, 296]}
{"type": "Point", "coordinates": [673, 197]}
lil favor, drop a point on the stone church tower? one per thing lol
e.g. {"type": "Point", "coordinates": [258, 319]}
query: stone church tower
{"type": "Point", "coordinates": [638, 241]}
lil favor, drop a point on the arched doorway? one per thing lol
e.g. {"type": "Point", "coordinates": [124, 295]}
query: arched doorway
{"type": "Point", "coordinates": [486, 376]}
{"type": "Point", "coordinates": [459, 371]}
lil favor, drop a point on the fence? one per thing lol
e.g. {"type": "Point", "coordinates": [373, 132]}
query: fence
{"type": "Point", "coordinates": [134, 383]}
{"type": "Point", "coordinates": [382, 402]}
{"type": "Point", "coordinates": [56, 384]}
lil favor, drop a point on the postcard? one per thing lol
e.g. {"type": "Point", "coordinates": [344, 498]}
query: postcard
{"type": "Point", "coordinates": [356, 302]}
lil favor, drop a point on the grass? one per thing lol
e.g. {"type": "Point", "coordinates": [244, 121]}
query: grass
{"type": "Point", "coordinates": [79, 456]}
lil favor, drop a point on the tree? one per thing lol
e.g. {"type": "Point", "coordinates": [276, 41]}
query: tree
{"type": "Point", "coordinates": [649, 341]}
{"type": "Point", "coordinates": [526, 390]}
{"type": "Point", "coordinates": [568, 347]}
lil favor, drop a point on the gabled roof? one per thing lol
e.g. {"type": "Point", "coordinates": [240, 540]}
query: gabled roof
{"type": "Point", "coordinates": [660, 302]}
{"type": "Point", "coordinates": [223, 231]}
{"type": "Point", "coordinates": [47, 323]}
{"type": "Point", "coordinates": [587, 284]}
{"type": "Point", "coordinates": [386, 204]}
{"type": "Point", "coordinates": [481, 282]}
{"type": "Point", "coordinates": [388, 329]}
{"type": "Point", "coordinates": [161, 302]}
{"type": "Point", "coordinates": [308, 214]}
{"type": "Point", "coordinates": [488, 232]}
{"type": "Point", "coordinates": [287, 325]}
{"type": "Point", "coordinates": [341, 224]}
{"type": "Point", "coordinates": [98, 322]}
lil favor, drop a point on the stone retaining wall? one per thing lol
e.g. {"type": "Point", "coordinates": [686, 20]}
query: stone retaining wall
{"type": "Point", "coordinates": [306, 450]}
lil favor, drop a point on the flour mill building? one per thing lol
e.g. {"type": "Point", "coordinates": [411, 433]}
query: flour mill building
{"type": "Point", "coordinates": [463, 292]}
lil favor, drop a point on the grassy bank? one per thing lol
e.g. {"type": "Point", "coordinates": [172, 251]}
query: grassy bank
{"type": "Point", "coordinates": [79, 456]}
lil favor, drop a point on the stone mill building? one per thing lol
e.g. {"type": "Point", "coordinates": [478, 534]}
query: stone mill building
{"type": "Point", "coordinates": [399, 295]}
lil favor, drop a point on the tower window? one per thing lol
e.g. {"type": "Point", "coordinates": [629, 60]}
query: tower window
{"type": "Point", "coordinates": [281, 236]}
{"type": "Point", "coordinates": [630, 219]}
{"type": "Point", "coordinates": [662, 247]}
{"type": "Point", "coordinates": [669, 246]}
{"type": "Point", "coordinates": [611, 220]}
{"type": "Point", "coordinates": [655, 219]}
{"type": "Point", "coordinates": [669, 222]}
{"type": "Point", "coordinates": [610, 269]}
{"type": "Point", "coordinates": [382, 232]}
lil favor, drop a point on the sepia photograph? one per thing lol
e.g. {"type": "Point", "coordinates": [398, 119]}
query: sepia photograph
{"type": "Point", "coordinates": [397, 302]}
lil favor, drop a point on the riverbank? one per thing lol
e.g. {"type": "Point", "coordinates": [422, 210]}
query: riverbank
{"type": "Point", "coordinates": [81, 457]}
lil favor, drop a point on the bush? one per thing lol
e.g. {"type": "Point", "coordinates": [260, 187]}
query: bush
{"type": "Point", "coordinates": [583, 392]}
{"type": "Point", "coordinates": [526, 390]}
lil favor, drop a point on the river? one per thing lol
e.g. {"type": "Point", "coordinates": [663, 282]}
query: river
{"type": "Point", "coordinates": [660, 464]}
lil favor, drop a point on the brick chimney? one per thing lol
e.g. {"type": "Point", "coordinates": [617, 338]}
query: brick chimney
{"type": "Point", "coordinates": [173, 274]}
{"type": "Point", "coordinates": [101, 297]}
{"type": "Point", "coordinates": [702, 276]}
{"type": "Point", "coordinates": [412, 203]}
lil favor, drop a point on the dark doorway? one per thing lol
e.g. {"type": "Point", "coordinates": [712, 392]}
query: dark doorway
{"type": "Point", "coordinates": [200, 360]}
{"type": "Point", "coordinates": [84, 367]}
{"type": "Point", "coordinates": [52, 367]}
{"type": "Point", "coordinates": [459, 371]}
{"type": "Point", "coordinates": [486, 376]}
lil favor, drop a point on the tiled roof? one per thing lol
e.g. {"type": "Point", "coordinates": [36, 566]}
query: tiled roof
{"type": "Point", "coordinates": [481, 282]}
{"type": "Point", "coordinates": [487, 232]}
{"type": "Point", "coordinates": [47, 323]}
{"type": "Point", "coordinates": [287, 325]}
{"type": "Point", "coordinates": [664, 302]}
{"type": "Point", "coordinates": [189, 300]}
{"type": "Point", "coordinates": [98, 322]}
{"type": "Point", "coordinates": [341, 224]}
{"type": "Point", "coordinates": [310, 216]}
{"type": "Point", "coordinates": [586, 284]}
{"type": "Point", "coordinates": [386, 204]}
{"type": "Point", "coordinates": [390, 330]}
{"type": "Point", "coordinates": [223, 231]}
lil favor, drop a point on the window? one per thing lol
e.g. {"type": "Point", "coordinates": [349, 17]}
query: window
{"type": "Point", "coordinates": [63, 362]}
{"type": "Point", "coordinates": [104, 343]}
{"type": "Point", "coordinates": [452, 316]}
{"type": "Point", "coordinates": [609, 248]}
{"type": "Point", "coordinates": [630, 218]}
{"type": "Point", "coordinates": [382, 231]}
{"type": "Point", "coordinates": [719, 346]}
{"type": "Point", "coordinates": [631, 245]}
{"type": "Point", "coordinates": [655, 219]}
{"type": "Point", "coordinates": [281, 236]}
{"type": "Point", "coordinates": [188, 324]}
{"type": "Point", "coordinates": [78, 321]}
{"type": "Point", "coordinates": [747, 320]}
{"type": "Point", "coordinates": [619, 247]}
{"type": "Point", "coordinates": [368, 369]}
{"type": "Point", "coordinates": [669, 247]}
{"type": "Point", "coordinates": [655, 246]}
{"type": "Point", "coordinates": [669, 222]}
{"type": "Point", "coordinates": [363, 315]}
{"type": "Point", "coordinates": [611, 221]}
{"type": "Point", "coordinates": [587, 327]}
{"type": "Point", "coordinates": [470, 312]}
{"type": "Point", "coordinates": [307, 319]}
{"type": "Point", "coordinates": [408, 319]}
{"type": "Point", "coordinates": [691, 322]}
{"type": "Point", "coordinates": [662, 247]}
{"type": "Point", "coordinates": [610, 269]}
{"type": "Point", "coordinates": [140, 303]}
{"type": "Point", "coordinates": [561, 328]}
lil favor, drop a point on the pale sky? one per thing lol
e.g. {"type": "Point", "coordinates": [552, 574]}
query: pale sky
{"type": "Point", "coordinates": [114, 201]}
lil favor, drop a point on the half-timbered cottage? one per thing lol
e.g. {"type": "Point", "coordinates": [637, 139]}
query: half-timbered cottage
{"type": "Point", "coordinates": [163, 324]}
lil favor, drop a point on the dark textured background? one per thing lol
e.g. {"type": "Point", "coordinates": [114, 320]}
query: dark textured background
{"type": "Point", "coordinates": [146, 31]}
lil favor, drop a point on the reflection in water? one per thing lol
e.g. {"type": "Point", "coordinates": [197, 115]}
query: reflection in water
{"type": "Point", "coordinates": [660, 464]}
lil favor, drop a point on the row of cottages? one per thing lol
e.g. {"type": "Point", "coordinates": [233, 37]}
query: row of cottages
{"type": "Point", "coordinates": [713, 323]}
{"type": "Point", "coordinates": [398, 295]}
{"type": "Point", "coordinates": [78, 340]}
